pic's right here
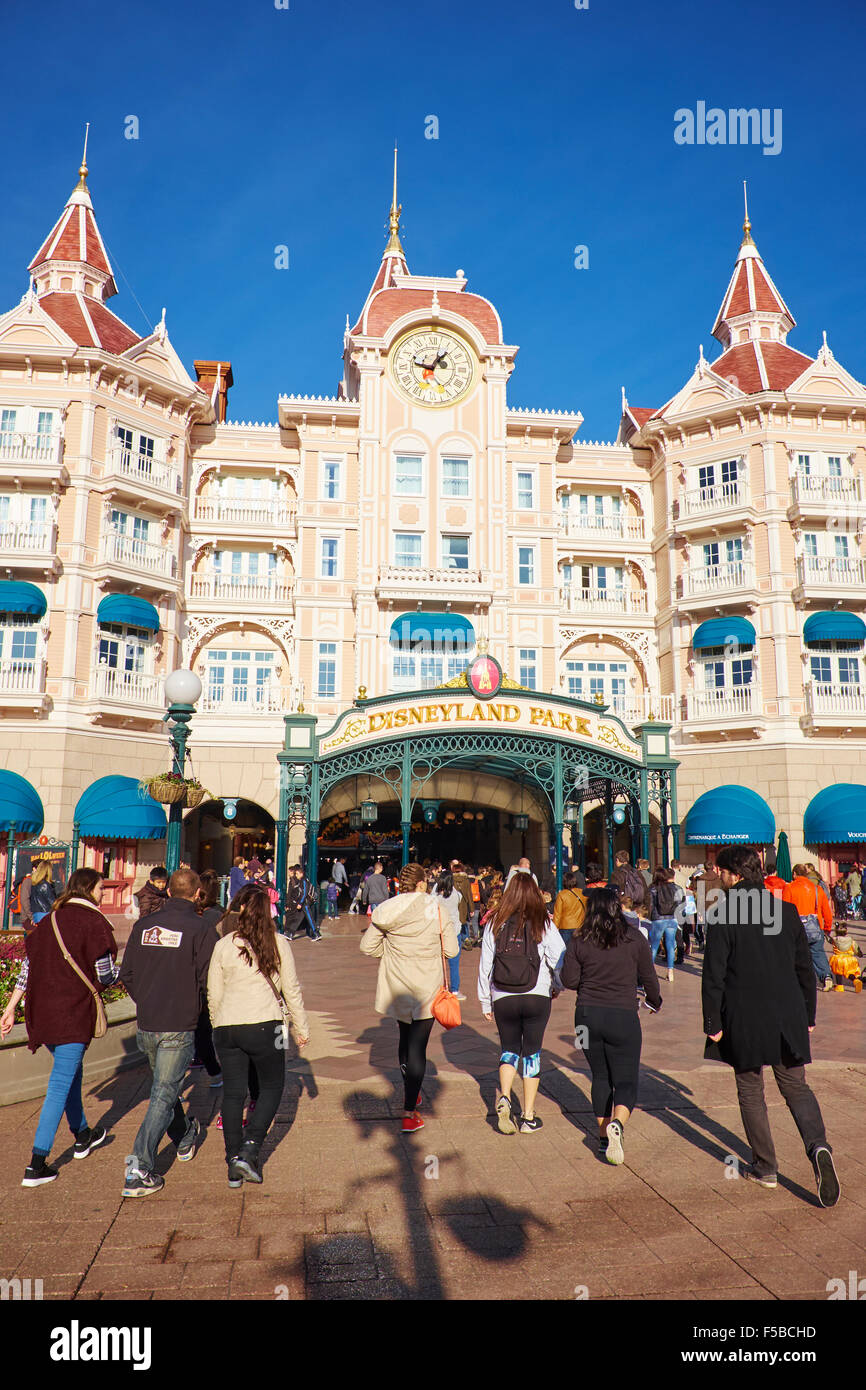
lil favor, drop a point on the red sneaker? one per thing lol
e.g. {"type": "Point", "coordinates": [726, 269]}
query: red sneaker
{"type": "Point", "coordinates": [411, 1123]}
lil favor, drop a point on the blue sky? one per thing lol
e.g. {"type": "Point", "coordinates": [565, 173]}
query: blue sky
{"type": "Point", "coordinates": [260, 127]}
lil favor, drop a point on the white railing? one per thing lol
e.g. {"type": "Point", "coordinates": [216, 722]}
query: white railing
{"type": "Point", "coordinates": [139, 468]}
{"type": "Point", "coordinates": [634, 710]}
{"type": "Point", "coordinates": [719, 705]}
{"type": "Point", "coordinates": [246, 512]}
{"type": "Point", "coordinates": [35, 537]}
{"type": "Point", "coordinates": [606, 527]}
{"type": "Point", "coordinates": [120, 549]}
{"type": "Point", "coordinates": [130, 687]}
{"type": "Point", "coordinates": [29, 448]}
{"type": "Point", "coordinates": [831, 569]}
{"type": "Point", "coordinates": [26, 675]}
{"type": "Point", "coordinates": [731, 574]}
{"type": "Point", "coordinates": [580, 600]}
{"type": "Point", "coordinates": [821, 487]}
{"type": "Point", "coordinates": [240, 588]}
{"type": "Point", "coordinates": [846, 700]}
{"type": "Point", "coordinates": [714, 499]}
{"type": "Point", "coordinates": [234, 699]}
{"type": "Point", "coordinates": [421, 575]}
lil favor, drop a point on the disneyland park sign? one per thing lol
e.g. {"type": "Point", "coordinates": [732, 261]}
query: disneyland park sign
{"type": "Point", "coordinates": [443, 713]}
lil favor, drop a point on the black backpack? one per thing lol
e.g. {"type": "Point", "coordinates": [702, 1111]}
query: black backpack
{"type": "Point", "coordinates": [666, 899]}
{"type": "Point", "coordinates": [517, 961]}
{"type": "Point", "coordinates": [634, 884]}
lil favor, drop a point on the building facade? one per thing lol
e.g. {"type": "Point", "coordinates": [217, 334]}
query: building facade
{"type": "Point", "coordinates": [704, 569]}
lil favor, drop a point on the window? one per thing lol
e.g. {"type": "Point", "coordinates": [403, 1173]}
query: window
{"type": "Point", "coordinates": [18, 645]}
{"type": "Point", "coordinates": [331, 479]}
{"type": "Point", "coordinates": [840, 546]}
{"type": "Point", "coordinates": [7, 428]}
{"type": "Point", "coordinates": [455, 477]}
{"type": "Point", "coordinates": [585, 680]}
{"type": "Point", "coordinates": [730, 474]}
{"type": "Point", "coordinates": [326, 671]}
{"type": "Point", "coordinates": [527, 667]}
{"type": "Point", "coordinates": [407, 550]}
{"type": "Point", "coordinates": [525, 565]}
{"type": "Point", "coordinates": [44, 424]}
{"type": "Point", "coordinates": [126, 651]}
{"type": "Point", "coordinates": [804, 463]}
{"type": "Point", "coordinates": [810, 544]}
{"type": "Point", "coordinates": [408, 475]}
{"type": "Point", "coordinates": [455, 552]}
{"type": "Point", "coordinates": [723, 673]}
{"type": "Point", "coordinates": [711, 554]}
{"type": "Point", "coordinates": [706, 477]}
{"type": "Point", "coordinates": [242, 679]}
{"type": "Point", "coordinates": [734, 550]}
{"type": "Point", "coordinates": [837, 666]}
{"type": "Point", "coordinates": [330, 557]}
{"type": "Point", "coordinates": [525, 492]}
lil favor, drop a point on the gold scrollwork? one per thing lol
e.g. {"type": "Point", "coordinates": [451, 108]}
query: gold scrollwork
{"type": "Point", "coordinates": [354, 729]}
{"type": "Point", "coordinates": [609, 735]}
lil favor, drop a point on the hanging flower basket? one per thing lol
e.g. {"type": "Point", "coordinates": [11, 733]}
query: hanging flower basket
{"type": "Point", "coordinates": [195, 794]}
{"type": "Point", "coordinates": [167, 788]}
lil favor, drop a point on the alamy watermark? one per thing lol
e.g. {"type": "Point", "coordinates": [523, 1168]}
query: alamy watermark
{"type": "Point", "coordinates": [737, 126]}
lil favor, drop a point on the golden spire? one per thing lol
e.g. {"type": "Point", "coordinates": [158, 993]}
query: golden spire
{"type": "Point", "coordinates": [81, 186]}
{"type": "Point", "coordinates": [747, 226]}
{"type": "Point", "coordinates": [394, 219]}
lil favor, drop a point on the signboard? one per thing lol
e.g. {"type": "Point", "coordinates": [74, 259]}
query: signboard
{"type": "Point", "coordinates": [440, 712]}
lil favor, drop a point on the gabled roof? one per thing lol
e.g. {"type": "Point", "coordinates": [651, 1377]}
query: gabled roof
{"type": "Point", "coordinates": [750, 292]}
{"type": "Point", "coordinates": [75, 238]}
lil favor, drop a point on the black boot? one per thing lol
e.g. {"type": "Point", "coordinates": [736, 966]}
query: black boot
{"type": "Point", "coordinates": [247, 1162]}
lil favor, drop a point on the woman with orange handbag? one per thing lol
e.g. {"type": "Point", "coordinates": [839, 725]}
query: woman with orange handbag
{"type": "Point", "coordinates": [70, 959]}
{"type": "Point", "coordinates": [408, 934]}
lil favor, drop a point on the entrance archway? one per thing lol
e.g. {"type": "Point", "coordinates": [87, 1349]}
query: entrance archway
{"type": "Point", "coordinates": [212, 842]}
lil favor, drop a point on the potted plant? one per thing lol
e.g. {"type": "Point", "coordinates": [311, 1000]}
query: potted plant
{"type": "Point", "coordinates": [167, 787]}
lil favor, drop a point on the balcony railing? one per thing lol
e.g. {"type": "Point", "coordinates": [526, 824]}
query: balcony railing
{"type": "Point", "coordinates": [240, 700]}
{"type": "Point", "coordinates": [129, 687]}
{"type": "Point", "coordinates": [420, 576]}
{"type": "Point", "coordinates": [846, 701]}
{"type": "Point", "coordinates": [21, 677]}
{"type": "Point", "coordinates": [830, 570]}
{"type": "Point", "coordinates": [120, 549]}
{"type": "Point", "coordinates": [139, 468]}
{"type": "Point", "coordinates": [606, 527]}
{"type": "Point", "coordinates": [634, 711]}
{"type": "Point", "coordinates": [821, 487]}
{"type": "Point", "coordinates": [581, 600]}
{"type": "Point", "coordinates": [718, 498]}
{"type": "Point", "coordinates": [244, 512]}
{"type": "Point", "coordinates": [33, 537]}
{"type": "Point", "coordinates": [29, 448]}
{"type": "Point", "coordinates": [719, 705]}
{"type": "Point", "coordinates": [240, 588]}
{"type": "Point", "coordinates": [711, 579]}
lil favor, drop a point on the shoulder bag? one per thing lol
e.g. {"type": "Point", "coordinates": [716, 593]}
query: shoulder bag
{"type": "Point", "coordinates": [445, 1007]}
{"type": "Point", "coordinates": [101, 1021]}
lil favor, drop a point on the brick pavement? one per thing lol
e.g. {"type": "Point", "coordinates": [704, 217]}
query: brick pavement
{"type": "Point", "coordinates": [351, 1209]}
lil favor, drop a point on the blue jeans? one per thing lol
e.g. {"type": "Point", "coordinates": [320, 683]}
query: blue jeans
{"type": "Point", "coordinates": [63, 1093]}
{"type": "Point", "coordinates": [667, 927]}
{"type": "Point", "coordinates": [815, 938]}
{"type": "Point", "coordinates": [169, 1055]}
{"type": "Point", "coordinates": [454, 972]}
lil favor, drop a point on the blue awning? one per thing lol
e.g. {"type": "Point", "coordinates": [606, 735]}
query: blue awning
{"type": "Point", "coordinates": [113, 808]}
{"type": "Point", "coordinates": [722, 632]}
{"type": "Point", "coordinates": [16, 596]}
{"type": "Point", "coordinates": [126, 608]}
{"type": "Point", "coordinates": [833, 627]}
{"type": "Point", "coordinates": [730, 815]}
{"type": "Point", "coordinates": [836, 816]}
{"type": "Point", "coordinates": [432, 632]}
{"type": "Point", "coordinates": [20, 804]}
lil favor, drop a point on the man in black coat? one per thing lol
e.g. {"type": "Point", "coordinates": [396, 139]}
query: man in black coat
{"type": "Point", "coordinates": [759, 1001]}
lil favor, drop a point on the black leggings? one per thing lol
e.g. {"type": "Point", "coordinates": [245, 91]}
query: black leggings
{"type": "Point", "coordinates": [611, 1041]}
{"type": "Point", "coordinates": [204, 1043]}
{"type": "Point", "coordinates": [243, 1048]}
{"type": "Point", "coordinates": [412, 1055]}
{"type": "Point", "coordinates": [521, 1020]}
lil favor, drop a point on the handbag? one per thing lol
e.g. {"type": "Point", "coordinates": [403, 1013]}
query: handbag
{"type": "Point", "coordinates": [101, 1020]}
{"type": "Point", "coordinates": [284, 1008]}
{"type": "Point", "coordinates": [445, 1007]}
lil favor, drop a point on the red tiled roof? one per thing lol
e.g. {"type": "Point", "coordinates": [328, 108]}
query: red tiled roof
{"type": "Point", "coordinates": [766, 297]}
{"type": "Point", "coordinates": [73, 221]}
{"type": "Point", "coordinates": [739, 299]}
{"type": "Point", "coordinates": [66, 312]}
{"type": "Point", "coordinates": [391, 304]}
{"type": "Point", "coordinates": [740, 365]}
{"type": "Point", "coordinates": [113, 335]}
{"type": "Point", "coordinates": [640, 414]}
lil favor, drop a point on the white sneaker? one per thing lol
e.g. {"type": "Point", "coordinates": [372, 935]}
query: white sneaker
{"type": "Point", "coordinates": [670, 976]}
{"type": "Point", "coordinates": [458, 995]}
{"type": "Point", "coordinates": [615, 1152]}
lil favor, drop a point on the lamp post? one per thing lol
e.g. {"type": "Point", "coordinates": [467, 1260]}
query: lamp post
{"type": "Point", "coordinates": [182, 689]}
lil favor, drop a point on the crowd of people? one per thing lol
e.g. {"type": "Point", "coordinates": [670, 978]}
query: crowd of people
{"type": "Point", "coordinates": [215, 986]}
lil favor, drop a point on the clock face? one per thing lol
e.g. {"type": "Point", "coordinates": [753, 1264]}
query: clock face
{"type": "Point", "coordinates": [432, 367]}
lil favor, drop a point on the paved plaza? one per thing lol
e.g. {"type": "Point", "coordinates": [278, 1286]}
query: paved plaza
{"type": "Point", "coordinates": [352, 1209]}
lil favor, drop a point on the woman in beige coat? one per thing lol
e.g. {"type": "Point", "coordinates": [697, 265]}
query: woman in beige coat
{"type": "Point", "coordinates": [406, 934]}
